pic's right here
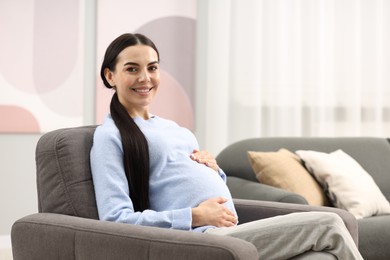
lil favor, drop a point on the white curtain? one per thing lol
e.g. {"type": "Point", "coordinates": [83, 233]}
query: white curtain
{"type": "Point", "coordinates": [292, 68]}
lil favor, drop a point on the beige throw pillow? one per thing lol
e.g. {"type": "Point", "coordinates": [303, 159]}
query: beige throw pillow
{"type": "Point", "coordinates": [283, 169]}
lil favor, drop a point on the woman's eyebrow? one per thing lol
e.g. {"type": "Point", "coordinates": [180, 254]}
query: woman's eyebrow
{"type": "Point", "coordinates": [136, 64]}
{"type": "Point", "coordinates": [131, 63]}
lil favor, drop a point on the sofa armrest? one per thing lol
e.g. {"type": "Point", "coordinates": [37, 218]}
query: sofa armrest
{"type": "Point", "coordinates": [55, 236]}
{"type": "Point", "coordinates": [250, 210]}
{"type": "Point", "coordinates": [245, 189]}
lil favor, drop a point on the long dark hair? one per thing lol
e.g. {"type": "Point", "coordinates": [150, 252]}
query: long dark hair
{"type": "Point", "coordinates": [135, 146]}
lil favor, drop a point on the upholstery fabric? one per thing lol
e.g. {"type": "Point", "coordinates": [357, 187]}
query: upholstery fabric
{"type": "Point", "coordinates": [374, 237]}
{"type": "Point", "coordinates": [63, 173]}
{"type": "Point", "coordinates": [241, 188]}
{"type": "Point", "coordinates": [61, 237]}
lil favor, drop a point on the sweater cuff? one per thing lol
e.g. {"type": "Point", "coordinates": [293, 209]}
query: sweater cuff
{"type": "Point", "coordinates": [182, 219]}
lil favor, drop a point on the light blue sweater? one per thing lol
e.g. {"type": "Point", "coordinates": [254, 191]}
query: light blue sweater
{"type": "Point", "coordinates": [177, 183]}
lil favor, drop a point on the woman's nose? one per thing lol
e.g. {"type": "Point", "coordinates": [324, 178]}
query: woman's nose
{"type": "Point", "coordinates": [144, 76]}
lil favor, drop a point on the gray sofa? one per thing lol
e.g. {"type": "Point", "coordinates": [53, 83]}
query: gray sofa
{"type": "Point", "coordinates": [67, 225]}
{"type": "Point", "coordinates": [373, 154]}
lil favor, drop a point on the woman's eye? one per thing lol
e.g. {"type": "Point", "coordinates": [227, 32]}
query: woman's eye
{"type": "Point", "coordinates": [153, 68]}
{"type": "Point", "coordinates": [131, 69]}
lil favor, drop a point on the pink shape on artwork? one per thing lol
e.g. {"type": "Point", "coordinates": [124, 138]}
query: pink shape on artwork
{"type": "Point", "coordinates": [56, 30]}
{"type": "Point", "coordinates": [15, 119]}
{"type": "Point", "coordinates": [172, 102]}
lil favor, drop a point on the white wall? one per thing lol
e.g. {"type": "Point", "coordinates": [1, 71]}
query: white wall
{"type": "Point", "coordinates": [17, 180]}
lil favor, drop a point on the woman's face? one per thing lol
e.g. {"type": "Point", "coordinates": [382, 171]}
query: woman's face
{"type": "Point", "coordinates": [136, 78]}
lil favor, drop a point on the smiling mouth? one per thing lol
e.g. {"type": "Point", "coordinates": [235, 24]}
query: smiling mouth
{"type": "Point", "coordinates": [142, 90]}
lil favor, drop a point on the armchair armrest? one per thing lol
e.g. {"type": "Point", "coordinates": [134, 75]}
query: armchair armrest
{"type": "Point", "coordinates": [245, 189]}
{"type": "Point", "coordinates": [55, 236]}
{"type": "Point", "coordinates": [250, 210]}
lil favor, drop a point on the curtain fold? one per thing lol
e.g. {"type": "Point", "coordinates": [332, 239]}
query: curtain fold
{"type": "Point", "coordinates": [292, 68]}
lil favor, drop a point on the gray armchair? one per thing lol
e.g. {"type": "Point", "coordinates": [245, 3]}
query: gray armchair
{"type": "Point", "coordinates": [67, 225]}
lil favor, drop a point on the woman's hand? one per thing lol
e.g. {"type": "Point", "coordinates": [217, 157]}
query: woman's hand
{"type": "Point", "coordinates": [205, 158]}
{"type": "Point", "coordinates": [212, 212]}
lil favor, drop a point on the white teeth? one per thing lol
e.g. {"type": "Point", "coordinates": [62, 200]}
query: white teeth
{"type": "Point", "coordinates": [142, 90]}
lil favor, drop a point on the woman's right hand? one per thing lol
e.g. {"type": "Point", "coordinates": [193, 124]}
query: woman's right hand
{"type": "Point", "coordinates": [213, 212]}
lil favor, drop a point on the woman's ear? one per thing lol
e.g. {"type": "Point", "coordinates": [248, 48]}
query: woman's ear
{"type": "Point", "coordinates": [109, 77]}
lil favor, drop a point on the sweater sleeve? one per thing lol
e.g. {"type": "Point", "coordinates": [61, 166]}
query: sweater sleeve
{"type": "Point", "coordinates": [112, 192]}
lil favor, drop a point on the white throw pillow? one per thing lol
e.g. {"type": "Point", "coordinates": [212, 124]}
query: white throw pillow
{"type": "Point", "coordinates": [347, 184]}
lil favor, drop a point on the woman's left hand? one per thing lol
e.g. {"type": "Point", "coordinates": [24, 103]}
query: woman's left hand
{"type": "Point", "coordinates": [205, 158]}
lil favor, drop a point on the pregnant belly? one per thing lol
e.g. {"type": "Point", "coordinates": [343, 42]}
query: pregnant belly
{"type": "Point", "coordinates": [185, 185]}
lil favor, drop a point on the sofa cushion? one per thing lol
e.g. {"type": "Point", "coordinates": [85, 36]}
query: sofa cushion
{"type": "Point", "coordinates": [282, 169]}
{"type": "Point", "coordinates": [374, 237]}
{"type": "Point", "coordinates": [347, 184]}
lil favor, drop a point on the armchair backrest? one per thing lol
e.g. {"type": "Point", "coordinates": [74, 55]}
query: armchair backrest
{"type": "Point", "coordinates": [64, 179]}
